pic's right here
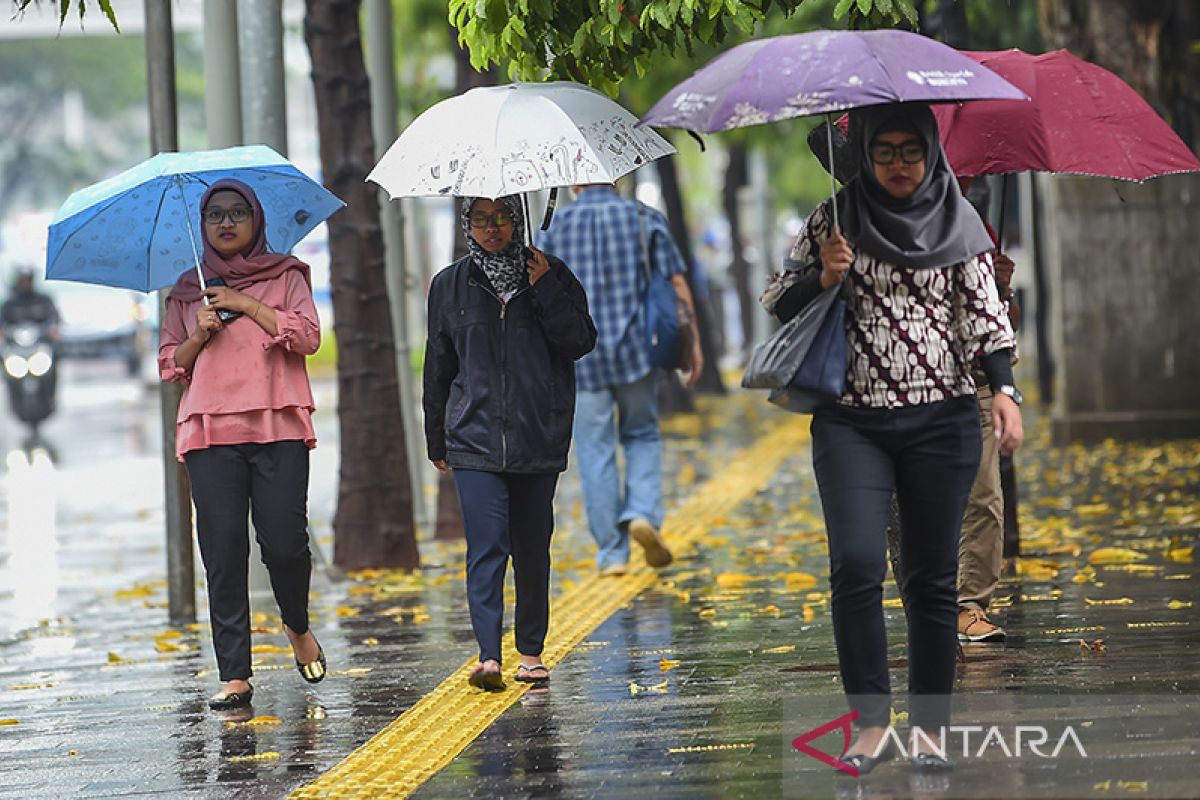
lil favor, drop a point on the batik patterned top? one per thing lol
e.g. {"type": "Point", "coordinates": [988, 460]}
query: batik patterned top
{"type": "Point", "coordinates": [912, 333]}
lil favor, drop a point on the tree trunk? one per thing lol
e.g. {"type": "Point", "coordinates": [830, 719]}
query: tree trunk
{"type": "Point", "coordinates": [373, 524]}
{"type": "Point", "coordinates": [1129, 362]}
{"type": "Point", "coordinates": [710, 376]}
{"type": "Point", "coordinates": [735, 179]}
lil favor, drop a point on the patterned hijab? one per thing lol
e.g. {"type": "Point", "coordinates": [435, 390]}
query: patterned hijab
{"type": "Point", "coordinates": [252, 265]}
{"type": "Point", "coordinates": [935, 226]}
{"type": "Point", "coordinates": [506, 269]}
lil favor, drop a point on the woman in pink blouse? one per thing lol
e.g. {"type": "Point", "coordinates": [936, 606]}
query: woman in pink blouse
{"type": "Point", "coordinates": [922, 307]}
{"type": "Point", "coordinates": [244, 427]}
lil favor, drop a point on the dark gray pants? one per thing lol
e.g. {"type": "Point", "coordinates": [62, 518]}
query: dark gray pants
{"type": "Point", "coordinates": [229, 483]}
{"type": "Point", "coordinates": [928, 455]}
{"type": "Point", "coordinates": [508, 514]}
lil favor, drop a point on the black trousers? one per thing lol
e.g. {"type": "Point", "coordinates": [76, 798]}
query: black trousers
{"type": "Point", "coordinates": [508, 514]}
{"type": "Point", "coordinates": [928, 455]}
{"type": "Point", "coordinates": [230, 483]}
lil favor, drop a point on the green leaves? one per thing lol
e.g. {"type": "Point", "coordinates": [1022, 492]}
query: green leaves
{"type": "Point", "coordinates": [601, 42]}
{"type": "Point", "coordinates": [876, 13]}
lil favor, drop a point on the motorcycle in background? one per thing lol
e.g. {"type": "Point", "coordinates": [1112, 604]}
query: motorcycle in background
{"type": "Point", "coordinates": [31, 372]}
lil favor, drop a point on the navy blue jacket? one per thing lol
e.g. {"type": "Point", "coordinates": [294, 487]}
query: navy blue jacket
{"type": "Point", "coordinates": [500, 377]}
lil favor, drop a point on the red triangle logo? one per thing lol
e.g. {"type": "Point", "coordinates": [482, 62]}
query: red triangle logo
{"type": "Point", "coordinates": [842, 723]}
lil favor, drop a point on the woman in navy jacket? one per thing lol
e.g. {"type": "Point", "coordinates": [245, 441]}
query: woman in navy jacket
{"type": "Point", "coordinates": [506, 324]}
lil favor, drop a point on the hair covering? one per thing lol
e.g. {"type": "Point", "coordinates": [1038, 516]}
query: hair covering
{"type": "Point", "coordinates": [935, 226]}
{"type": "Point", "coordinates": [253, 264]}
{"type": "Point", "coordinates": [506, 269]}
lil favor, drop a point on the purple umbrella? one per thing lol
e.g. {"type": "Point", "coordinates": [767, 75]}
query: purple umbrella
{"type": "Point", "coordinates": [821, 72]}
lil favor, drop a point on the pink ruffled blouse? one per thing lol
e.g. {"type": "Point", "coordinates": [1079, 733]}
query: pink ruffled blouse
{"type": "Point", "coordinates": [245, 386]}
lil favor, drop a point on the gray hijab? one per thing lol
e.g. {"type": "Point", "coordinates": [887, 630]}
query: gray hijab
{"type": "Point", "coordinates": [935, 226]}
{"type": "Point", "coordinates": [506, 270]}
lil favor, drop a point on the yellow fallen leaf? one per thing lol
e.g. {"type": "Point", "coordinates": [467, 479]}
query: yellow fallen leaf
{"type": "Point", "coordinates": [809, 613]}
{"type": "Point", "coordinates": [1181, 555]}
{"type": "Point", "coordinates": [1087, 573]}
{"type": "Point", "coordinates": [734, 580]}
{"type": "Point", "coordinates": [1115, 555]}
{"type": "Point", "coordinates": [346, 611]}
{"type": "Point", "coordinates": [660, 688]}
{"type": "Point", "coordinates": [783, 648]}
{"type": "Point", "coordinates": [134, 593]}
{"type": "Point", "coordinates": [169, 647]}
{"type": "Point", "coordinates": [1115, 601]}
{"type": "Point", "coordinates": [370, 641]}
{"type": "Point", "coordinates": [270, 755]}
{"type": "Point", "coordinates": [634, 689]}
{"type": "Point", "coordinates": [1175, 605]}
{"type": "Point", "coordinates": [113, 658]}
{"type": "Point", "coordinates": [269, 648]}
{"type": "Point", "coordinates": [708, 612]}
{"type": "Point", "coordinates": [772, 610]}
{"type": "Point", "coordinates": [255, 722]}
{"type": "Point", "coordinates": [666, 664]}
{"type": "Point", "coordinates": [4, 722]}
{"type": "Point", "coordinates": [1093, 510]}
{"type": "Point", "coordinates": [1133, 786]}
{"type": "Point", "coordinates": [799, 581]}
{"type": "Point", "coordinates": [893, 602]}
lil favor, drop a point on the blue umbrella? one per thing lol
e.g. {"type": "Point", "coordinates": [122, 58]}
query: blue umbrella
{"type": "Point", "coordinates": [141, 229]}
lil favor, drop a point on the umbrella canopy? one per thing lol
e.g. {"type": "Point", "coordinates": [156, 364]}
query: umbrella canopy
{"type": "Point", "coordinates": [500, 140]}
{"type": "Point", "coordinates": [820, 72]}
{"type": "Point", "coordinates": [1083, 120]}
{"type": "Point", "coordinates": [141, 229]}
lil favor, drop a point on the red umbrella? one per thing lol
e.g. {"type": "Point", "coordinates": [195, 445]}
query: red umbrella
{"type": "Point", "coordinates": [1081, 119]}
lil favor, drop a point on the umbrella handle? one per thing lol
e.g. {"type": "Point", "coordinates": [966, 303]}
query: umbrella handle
{"type": "Point", "coordinates": [178, 181]}
{"type": "Point", "coordinates": [1000, 228]}
{"type": "Point", "coordinates": [832, 181]}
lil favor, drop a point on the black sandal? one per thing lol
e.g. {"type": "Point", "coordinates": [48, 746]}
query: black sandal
{"type": "Point", "coordinates": [226, 701]}
{"type": "Point", "coordinates": [523, 675]}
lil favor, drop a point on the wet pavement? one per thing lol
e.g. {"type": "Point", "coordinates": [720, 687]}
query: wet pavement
{"type": "Point", "coordinates": [694, 689]}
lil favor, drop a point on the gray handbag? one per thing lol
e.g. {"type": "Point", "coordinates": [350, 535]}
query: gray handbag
{"type": "Point", "coordinates": [804, 362]}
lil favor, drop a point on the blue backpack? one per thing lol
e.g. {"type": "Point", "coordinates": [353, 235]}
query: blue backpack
{"type": "Point", "coordinates": [668, 326]}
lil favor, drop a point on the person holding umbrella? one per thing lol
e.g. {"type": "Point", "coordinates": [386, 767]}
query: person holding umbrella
{"type": "Point", "coordinates": [238, 341]}
{"type": "Point", "coordinates": [506, 324]}
{"type": "Point", "coordinates": [922, 306]}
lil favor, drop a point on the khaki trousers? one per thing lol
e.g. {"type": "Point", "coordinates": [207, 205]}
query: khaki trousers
{"type": "Point", "coordinates": [981, 544]}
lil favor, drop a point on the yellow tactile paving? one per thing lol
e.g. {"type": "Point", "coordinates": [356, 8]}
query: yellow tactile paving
{"type": "Point", "coordinates": [428, 736]}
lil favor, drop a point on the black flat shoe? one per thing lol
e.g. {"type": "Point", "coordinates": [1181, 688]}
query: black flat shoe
{"type": "Point", "coordinates": [865, 763]}
{"type": "Point", "coordinates": [931, 762]}
{"type": "Point", "coordinates": [225, 701]}
{"type": "Point", "coordinates": [313, 671]}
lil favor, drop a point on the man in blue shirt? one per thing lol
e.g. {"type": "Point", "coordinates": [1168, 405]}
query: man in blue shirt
{"type": "Point", "coordinates": [601, 236]}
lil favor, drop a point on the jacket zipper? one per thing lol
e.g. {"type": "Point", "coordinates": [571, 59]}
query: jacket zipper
{"type": "Point", "coordinates": [503, 371]}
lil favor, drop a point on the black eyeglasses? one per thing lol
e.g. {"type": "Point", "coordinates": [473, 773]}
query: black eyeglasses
{"type": "Point", "coordinates": [236, 215]}
{"type": "Point", "coordinates": [909, 152]}
{"type": "Point", "coordinates": [499, 220]}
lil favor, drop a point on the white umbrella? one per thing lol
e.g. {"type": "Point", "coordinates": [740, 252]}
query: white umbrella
{"type": "Point", "coordinates": [501, 140]}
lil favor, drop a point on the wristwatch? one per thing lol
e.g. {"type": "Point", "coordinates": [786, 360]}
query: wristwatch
{"type": "Point", "coordinates": [1011, 391]}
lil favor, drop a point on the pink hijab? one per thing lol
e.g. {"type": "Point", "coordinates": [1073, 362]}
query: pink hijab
{"type": "Point", "coordinates": [252, 265]}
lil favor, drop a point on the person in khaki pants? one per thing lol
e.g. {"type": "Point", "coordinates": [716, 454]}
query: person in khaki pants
{"type": "Point", "coordinates": [981, 543]}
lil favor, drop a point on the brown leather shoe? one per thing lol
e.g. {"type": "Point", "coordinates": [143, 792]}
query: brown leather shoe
{"type": "Point", "coordinates": [657, 553]}
{"type": "Point", "coordinates": [974, 626]}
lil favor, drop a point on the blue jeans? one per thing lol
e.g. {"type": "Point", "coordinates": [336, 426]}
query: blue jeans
{"type": "Point", "coordinates": [635, 427]}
